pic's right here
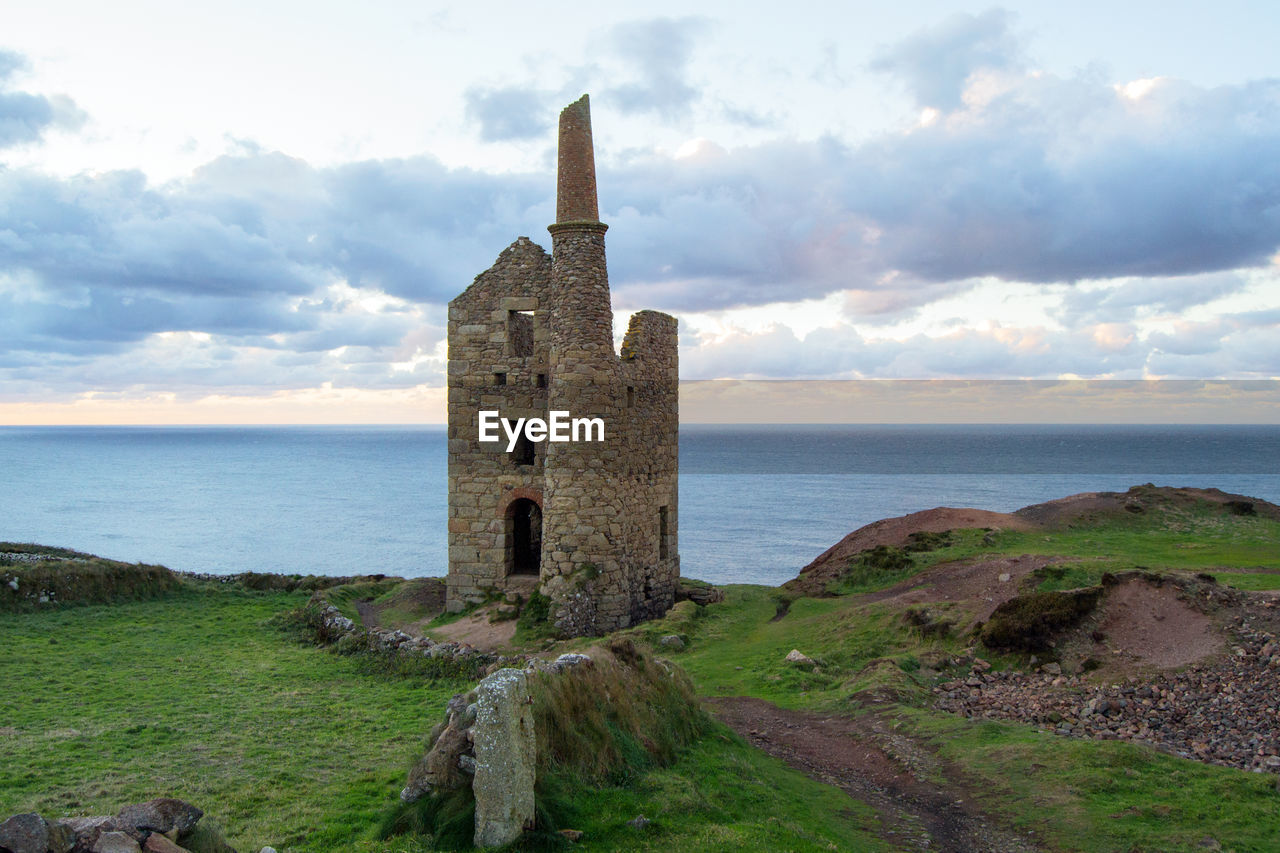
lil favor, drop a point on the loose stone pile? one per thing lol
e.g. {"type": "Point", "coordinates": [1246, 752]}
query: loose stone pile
{"type": "Point", "coordinates": [337, 627]}
{"type": "Point", "coordinates": [1226, 712]}
{"type": "Point", "coordinates": [156, 826]}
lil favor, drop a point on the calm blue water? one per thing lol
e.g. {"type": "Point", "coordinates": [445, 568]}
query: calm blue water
{"type": "Point", "coordinates": [756, 503]}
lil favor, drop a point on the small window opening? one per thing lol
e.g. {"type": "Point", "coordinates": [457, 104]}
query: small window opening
{"type": "Point", "coordinates": [520, 333]}
{"type": "Point", "coordinates": [522, 453]}
{"type": "Point", "coordinates": [542, 380]}
{"type": "Point", "coordinates": [524, 537]}
{"type": "Point", "coordinates": [499, 379]}
{"type": "Point", "coordinates": [663, 547]}
{"type": "Point", "coordinates": [631, 396]}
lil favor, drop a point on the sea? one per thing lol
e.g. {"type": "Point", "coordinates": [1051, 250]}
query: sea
{"type": "Point", "coordinates": [756, 502]}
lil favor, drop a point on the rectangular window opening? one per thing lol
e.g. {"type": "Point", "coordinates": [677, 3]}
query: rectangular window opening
{"type": "Point", "coordinates": [499, 379]}
{"type": "Point", "coordinates": [542, 380]}
{"type": "Point", "coordinates": [631, 396]}
{"type": "Point", "coordinates": [663, 548]}
{"type": "Point", "coordinates": [520, 333]}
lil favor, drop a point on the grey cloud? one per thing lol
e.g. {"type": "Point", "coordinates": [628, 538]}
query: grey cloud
{"type": "Point", "coordinates": [935, 62]}
{"type": "Point", "coordinates": [658, 51]}
{"type": "Point", "coordinates": [25, 117]}
{"type": "Point", "coordinates": [1051, 181]}
{"type": "Point", "coordinates": [509, 113]}
{"type": "Point", "coordinates": [1241, 344]}
{"type": "Point", "coordinates": [1124, 300]}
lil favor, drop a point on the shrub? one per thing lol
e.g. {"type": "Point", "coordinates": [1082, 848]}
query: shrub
{"type": "Point", "coordinates": [1029, 622]}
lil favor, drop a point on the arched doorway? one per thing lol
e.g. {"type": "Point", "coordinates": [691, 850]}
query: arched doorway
{"type": "Point", "coordinates": [524, 537]}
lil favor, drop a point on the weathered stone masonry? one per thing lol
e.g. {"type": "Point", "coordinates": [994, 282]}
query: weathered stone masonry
{"type": "Point", "coordinates": [591, 524]}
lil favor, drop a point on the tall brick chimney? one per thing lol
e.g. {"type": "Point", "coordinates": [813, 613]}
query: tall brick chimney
{"type": "Point", "coordinates": [582, 322]}
{"type": "Point", "coordinates": [576, 174]}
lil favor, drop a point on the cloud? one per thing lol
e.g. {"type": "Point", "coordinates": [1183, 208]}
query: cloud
{"type": "Point", "coordinates": [25, 117]}
{"type": "Point", "coordinates": [658, 52]}
{"type": "Point", "coordinates": [1128, 298]}
{"type": "Point", "coordinates": [840, 352]}
{"type": "Point", "coordinates": [509, 113]}
{"type": "Point", "coordinates": [344, 269]}
{"type": "Point", "coordinates": [1154, 196]}
{"type": "Point", "coordinates": [937, 62]}
{"type": "Point", "coordinates": [1041, 180]}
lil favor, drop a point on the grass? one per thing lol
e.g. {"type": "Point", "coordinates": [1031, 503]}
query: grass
{"type": "Point", "coordinates": [722, 795]}
{"type": "Point", "coordinates": [737, 649]}
{"type": "Point", "coordinates": [197, 696]}
{"type": "Point", "coordinates": [1105, 795]}
{"type": "Point", "coordinates": [1072, 794]}
{"type": "Point", "coordinates": [202, 696]}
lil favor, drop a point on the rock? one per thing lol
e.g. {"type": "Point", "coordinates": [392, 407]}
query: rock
{"type": "Point", "coordinates": [799, 658]}
{"type": "Point", "coordinates": [267, 850]}
{"type": "Point", "coordinates": [505, 750]}
{"type": "Point", "coordinates": [1004, 577]}
{"type": "Point", "coordinates": [115, 841]}
{"type": "Point", "coordinates": [639, 822]}
{"type": "Point", "coordinates": [81, 827]}
{"type": "Point", "coordinates": [1052, 668]}
{"type": "Point", "coordinates": [157, 843]}
{"type": "Point", "coordinates": [25, 833]}
{"type": "Point", "coordinates": [441, 768]}
{"type": "Point", "coordinates": [164, 814]}
{"type": "Point", "coordinates": [61, 838]}
{"type": "Point", "coordinates": [572, 834]}
{"type": "Point", "coordinates": [701, 595]}
{"type": "Point", "coordinates": [567, 661]}
{"type": "Point", "coordinates": [672, 641]}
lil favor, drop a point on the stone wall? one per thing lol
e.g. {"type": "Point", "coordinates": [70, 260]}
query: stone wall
{"type": "Point", "coordinates": [488, 331]}
{"type": "Point", "coordinates": [609, 546]}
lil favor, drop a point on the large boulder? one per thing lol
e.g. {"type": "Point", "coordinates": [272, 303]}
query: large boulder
{"type": "Point", "coordinates": [25, 833]}
{"type": "Point", "coordinates": [163, 815]}
{"type": "Point", "coordinates": [157, 843]}
{"type": "Point", "coordinates": [505, 749]}
{"type": "Point", "coordinates": [115, 841]}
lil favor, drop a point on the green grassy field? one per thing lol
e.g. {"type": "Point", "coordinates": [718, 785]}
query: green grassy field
{"type": "Point", "coordinates": [199, 694]}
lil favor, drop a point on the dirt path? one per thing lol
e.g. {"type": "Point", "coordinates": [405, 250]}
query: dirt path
{"type": "Point", "coordinates": [368, 614]}
{"type": "Point", "coordinates": [872, 763]}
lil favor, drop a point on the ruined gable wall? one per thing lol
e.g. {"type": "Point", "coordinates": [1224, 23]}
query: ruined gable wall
{"type": "Point", "coordinates": [485, 339]}
{"type": "Point", "coordinates": [649, 370]}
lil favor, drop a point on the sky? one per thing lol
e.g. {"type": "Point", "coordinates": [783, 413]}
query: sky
{"type": "Point", "coordinates": [257, 212]}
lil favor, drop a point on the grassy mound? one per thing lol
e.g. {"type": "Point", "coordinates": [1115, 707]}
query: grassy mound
{"type": "Point", "coordinates": [629, 713]}
{"type": "Point", "coordinates": [34, 576]}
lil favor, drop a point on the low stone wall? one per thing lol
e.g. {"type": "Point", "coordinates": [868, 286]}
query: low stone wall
{"type": "Point", "coordinates": [156, 826]}
{"type": "Point", "coordinates": [337, 628]}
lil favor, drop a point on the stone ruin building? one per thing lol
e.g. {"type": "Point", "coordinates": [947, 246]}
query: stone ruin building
{"type": "Point", "coordinates": [590, 524]}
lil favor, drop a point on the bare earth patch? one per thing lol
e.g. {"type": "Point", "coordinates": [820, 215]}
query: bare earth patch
{"type": "Point", "coordinates": [1152, 626]}
{"type": "Point", "coordinates": [477, 631]}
